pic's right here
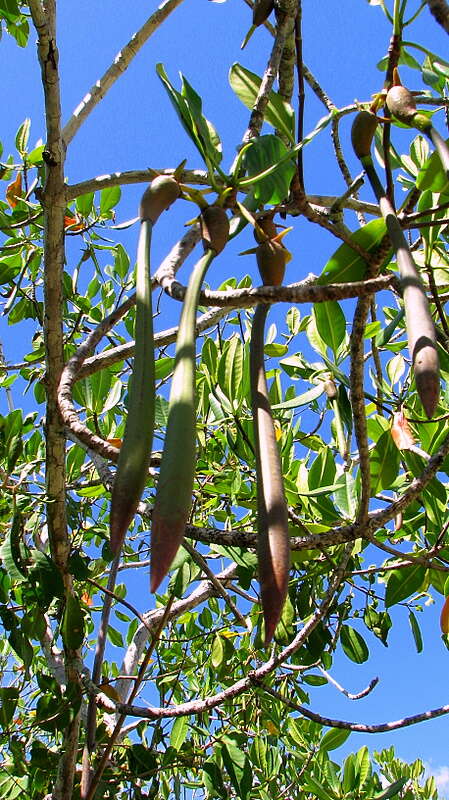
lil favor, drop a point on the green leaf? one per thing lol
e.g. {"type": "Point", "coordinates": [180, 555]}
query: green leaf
{"type": "Point", "coordinates": [302, 399]}
{"type": "Point", "coordinates": [403, 583]}
{"type": "Point", "coordinates": [206, 131]}
{"type": "Point", "coordinates": [416, 630]}
{"type": "Point", "coordinates": [354, 645]}
{"type": "Point", "coordinates": [237, 766]}
{"type": "Point", "coordinates": [230, 371]}
{"type": "Point", "coordinates": [9, 696]}
{"type": "Point", "coordinates": [45, 577]}
{"type": "Point", "coordinates": [384, 463]}
{"type": "Point", "coordinates": [84, 204]}
{"type": "Point", "coordinates": [13, 552]}
{"type": "Point", "coordinates": [363, 766]}
{"type": "Point", "coordinates": [330, 323]}
{"type": "Point", "coordinates": [278, 112]}
{"type": "Point", "coordinates": [314, 787]}
{"type": "Point", "coordinates": [346, 264]}
{"type": "Point", "coordinates": [384, 336]}
{"type": "Point", "coordinates": [213, 780]}
{"type": "Point", "coordinates": [109, 198]}
{"type": "Point", "coordinates": [178, 732]}
{"type": "Point", "coordinates": [262, 154]}
{"type": "Point", "coordinates": [187, 105]}
{"type": "Point", "coordinates": [432, 176]}
{"type": "Point", "coordinates": [217, 651]}
{"type": "Point", "coordinates": [345, 496]}
{"type": "Point", "coordinates": [392, 790]}
{"type": "Point", "coordinates": [334, 738]}
{"type": "Point", "coordinates": [22, 137]}
{"type": "Point", "coordinates": [115, 636]}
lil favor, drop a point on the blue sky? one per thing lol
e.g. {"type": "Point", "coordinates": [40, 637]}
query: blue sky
{"type": "Point", "coordinates": [136, 127]}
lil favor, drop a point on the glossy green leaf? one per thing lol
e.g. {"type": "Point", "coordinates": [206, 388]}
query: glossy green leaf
{"type": "Point", "coordinates": [330, 323]}
{"type": "Point", "coordinates": [84, 204]}
{"type": "Point", "coordinates": [347, 265]}
{"type": "Point", "coordinates": [354, 645]}
{"type": "Point", "coordinates": [432, 176]}
{"type": "Point", "coordinates": [416, 631]}
{"type": "Point", "coordinates": [384, 463]}
{"type": "Point", "coordinates": [315, 788]}
{"type": "Point", "coordinates": [237, 766]}
{"type": "Point", "coordinates": [302, 399]}
{"type": "Point", "coordinates": [109, 198]}
{"type": "Point", "coordinates": [334, 738]}
{"type": "Point", "coordinates": [278, 112]}
{"type": "Point", "coordinates": [188, 106]}
{"type": "Point", "coordinates": [179, 732]}
{"type": "Point", "coordinates": [403, 583]}
{"type": "Point", "coordinates": [392, 790]}
{"type": "Point", "coordinates": [262, 154]}
{"type": "Point", "coordinates": [22, 137]}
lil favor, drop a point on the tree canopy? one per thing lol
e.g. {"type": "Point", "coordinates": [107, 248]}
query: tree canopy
{"type": "Point", "coordinates": [275, 452]}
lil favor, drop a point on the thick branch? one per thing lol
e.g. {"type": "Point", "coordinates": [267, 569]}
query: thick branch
{"type": "Point", "coordinates": [440, 10]}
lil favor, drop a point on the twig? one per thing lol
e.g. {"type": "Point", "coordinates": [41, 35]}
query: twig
{"type": "Point", "coordinates": [117, 68]}
{"type": "Point", "coordinates": [269, 76]}
{"type": "Point", "coordinates": [357, 726]}
{"type": "Point", "coordinates": [118, 726]}
{"type": "Point", "coordinates": [344, 691]}
{"type": "Point", "coordinates": [202, 563]}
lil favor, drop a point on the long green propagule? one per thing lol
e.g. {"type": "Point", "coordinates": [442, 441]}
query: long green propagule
{"type": "Point", "coordinates": [175, 485]}
{"type": "Point", "coordinates": [135, 452]}
{"type": "Point", "coordinates": [273, 541]}
{"type": "Point", "coordinates": [419, 324]}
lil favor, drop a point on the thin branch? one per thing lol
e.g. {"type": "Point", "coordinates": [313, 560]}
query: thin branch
{"type": "Point", "coordinates": [202, 563]}
{"type": "Point", "coordinates": [257, 114]}
{"type": "Point", "coordinates": [344, 691]}
{"type": "Point", "coordinates": [357, 726]}
{"type": "Point", "coordinates": [117, 68]}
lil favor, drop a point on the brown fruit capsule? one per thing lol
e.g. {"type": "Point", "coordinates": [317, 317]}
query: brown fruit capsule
{"type": "Point", "coordinates": [271, 260]}
{"type": "Point", "coordinates": [401, 103]}
{"type": "Point", "coordinates": [362, 133]}
{"type": "Point", "coordinates": [268, 227]}
{"type": "Point", "coordinates": [214, 228]}
{"type": "Point", "coordinates": [160, 194]}
{"type": "Point", "coordinates": [261, 11]}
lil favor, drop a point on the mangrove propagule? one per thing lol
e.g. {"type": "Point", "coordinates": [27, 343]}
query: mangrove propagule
{"type": "Point", "coordinates": [419, 324]}
{"type": "Point", "coordinates": [177, 472]}
{"type": "Point", "coordinates": [273, 541]}
{"type": "Point", "coordinates": [135, 452]}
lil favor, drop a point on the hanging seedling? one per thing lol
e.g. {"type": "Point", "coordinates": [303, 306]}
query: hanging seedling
{"type": "Point", "coordinates": [419, 323]}
{"type": "Point", "coordinates": [135, 450]}
{"type": "Point", "coordinates": [177, 472]}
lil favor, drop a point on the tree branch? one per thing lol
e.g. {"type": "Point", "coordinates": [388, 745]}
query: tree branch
{"type": "Point", "coordinates": [357, 726]}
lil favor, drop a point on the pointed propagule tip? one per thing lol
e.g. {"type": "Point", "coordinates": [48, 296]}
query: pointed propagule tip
{"type": "Point", "coordinates": [428, 388]}
{"type": "Point", "coordinates": [166, 538]}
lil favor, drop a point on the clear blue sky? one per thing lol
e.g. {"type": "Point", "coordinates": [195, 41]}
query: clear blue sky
{"type": "Point", "coordinates": [135, 127]}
